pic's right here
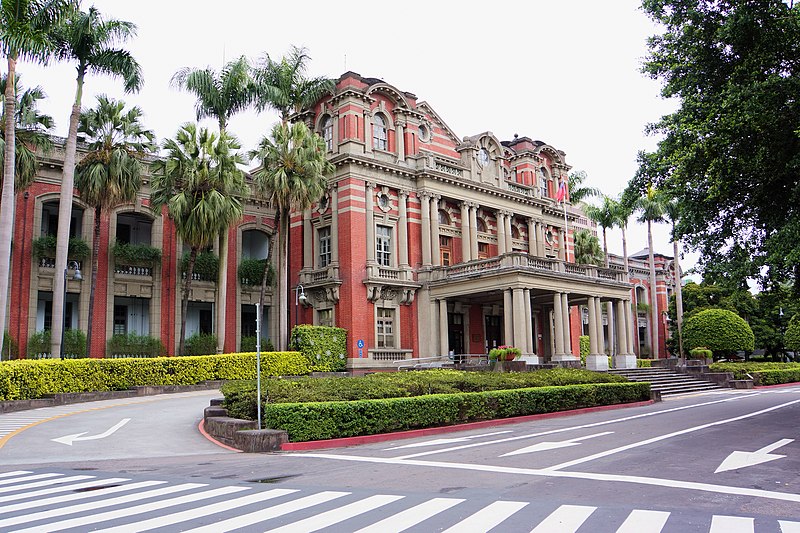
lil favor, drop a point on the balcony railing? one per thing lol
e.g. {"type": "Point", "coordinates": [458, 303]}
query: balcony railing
{"type": "Point", "coordinates": [131, 270]}
{"type": "Point", "coordinates": [517, 260]}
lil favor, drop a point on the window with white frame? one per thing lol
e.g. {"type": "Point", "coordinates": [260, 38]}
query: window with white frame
{"type": "Point", "coordinates": [543, 182]}
{"type": "Point", "coordinates": [384, 328]}
{"type": "Point", "coordinates": [379, 138]}
{"type": "Point", "coordinates": [383, 244]}
{"type": "Point", "coordinates": [327, 132]}
{"type": "Point", "coordinates": [324, 242]}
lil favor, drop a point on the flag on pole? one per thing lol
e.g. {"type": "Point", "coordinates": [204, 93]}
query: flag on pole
{"type": "Point", "coordinates": [561, 195]}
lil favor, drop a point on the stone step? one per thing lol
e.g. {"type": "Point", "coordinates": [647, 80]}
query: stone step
{"type": "Point", "coordinates": [665, 381]}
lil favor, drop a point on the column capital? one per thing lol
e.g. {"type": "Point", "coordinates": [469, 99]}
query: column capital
{"type": "Point", "coordinates": [404, 192]}
{"type": "Point", "coordinates": [423, 195]}
{"type": "Point", "coordinates": [370, 184]}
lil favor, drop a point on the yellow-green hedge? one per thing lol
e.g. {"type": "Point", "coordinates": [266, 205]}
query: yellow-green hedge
{"type": "Point", "coordinates": [28, 379]}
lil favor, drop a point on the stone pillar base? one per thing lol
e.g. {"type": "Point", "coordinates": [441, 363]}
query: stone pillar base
{"type": "Point", "coordinates": [565, 357]}
{"type": "Point", "coordinates": [625, 361]}
{"type": "Point", "coordinates": [597, 362]}
{"type": "Point", "coordinates": [531, 359]}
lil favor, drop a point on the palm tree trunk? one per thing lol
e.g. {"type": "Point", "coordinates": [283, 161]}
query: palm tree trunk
{"type": "Point", "coordinates": [7, 202]}
{"type": "Point", "coordinates": [64, 217]}
{"type": "Point", "coordinates": [95, 261]}
{"type": "Point", "coordinates": [187, 289]}
{"type": "Point", "coordinates": [653, 296]}
{"type": "Point", "coordinates": [634, 311]}
{"type": "Point", "coordinates": [222, 289]}
{"type": "Point", "coordinates": [283, 282]}
{"type": "Point", "coordinates": [605, 247]}
{"type": "Point", "coordinates": [678, 296]}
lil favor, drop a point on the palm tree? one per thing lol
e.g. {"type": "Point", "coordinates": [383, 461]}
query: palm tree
{"type": "Point", "coordinates": [292, 175]}
{"type": "Point", "coordinates": [623, 212]}
{"type": "Point", "coordinates": [605, 216]}
{"type": "Point", "coordinates": [577, 191]}
{"type": "Point", "coordinates": [30, 135]}
{"type": "Point", "coordinates": [111, 172]}
{"type": "Point", "coordinates": [25, 27]}
{"type": "Point", "coordinates": [89, 40]}
{"type": "Point", "coordinates": [651, 209]}
{"type": "Point", "coordinates": [587, 248]}
{"type": "Point", "coordinates": [220, 96]}
{"type": "Point", "coordinates": [201, 187]}
{"type": "Point", "coordinates": [673, 212]}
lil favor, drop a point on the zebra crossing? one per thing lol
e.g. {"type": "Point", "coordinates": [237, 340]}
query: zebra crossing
{"type": "Point", "coordinates": [51, 501]}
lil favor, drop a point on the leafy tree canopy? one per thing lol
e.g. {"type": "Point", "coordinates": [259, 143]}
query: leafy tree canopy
{"type": "Point", "coordinates": [721, 331]}
{"type": "Point", "coordinates": [730, 153]}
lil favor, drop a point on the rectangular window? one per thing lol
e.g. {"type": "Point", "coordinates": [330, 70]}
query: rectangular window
{"type": "Point", "coordinates": [445, 252]}
{"type": "Point", "coordinates": [325, 317]}
{"type": "Point", "coordinates": [384, 333]}
{"type": "Point", "coordinates": [543, 187]}
{"type": "Point", "coordinates": [383, 244]}
{"type": "Point", "coordinates": [483, 250]}
{"type": "Point", "coordinates": [324, 235]}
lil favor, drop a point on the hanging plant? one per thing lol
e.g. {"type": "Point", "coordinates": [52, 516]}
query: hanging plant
{"type": "Point", "coordinates": [136, 254]}
{"type": "Point", "coordinates": [45, 246]}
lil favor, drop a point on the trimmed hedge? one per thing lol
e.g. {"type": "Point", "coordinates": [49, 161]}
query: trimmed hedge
{"type": "Point", "coordinates": [777, 377]}
{"type": "Point", "coordinates": [327, 420]}
{"type": "Point", "coordinates": [325, 347]}
{"type": "Point", "coordinates": [740, 370]}
{"type": "Point", "coordinates": [25, 379]}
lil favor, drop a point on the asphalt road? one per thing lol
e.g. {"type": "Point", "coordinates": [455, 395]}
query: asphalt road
{"type": "Point", "coordinates": [724, 462]}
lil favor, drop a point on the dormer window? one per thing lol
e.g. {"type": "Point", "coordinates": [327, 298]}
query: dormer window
{"type": "Point", "coordinates": [379, 137]}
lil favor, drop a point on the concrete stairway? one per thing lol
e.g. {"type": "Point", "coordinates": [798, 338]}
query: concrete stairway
{"type": "Point", "coordinates": [666, 381]}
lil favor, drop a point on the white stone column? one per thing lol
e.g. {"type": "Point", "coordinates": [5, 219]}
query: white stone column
{"type": "Point", "coordinates": [601, 338]}
{"type": "Point", "coordinates": [592, 325]}
{"type": "Point", "coordinates": [520, 329]}
{"type": "Point", "coordinates": [508, 317]}
{"type": "Point", "coordinates": [558, 319]}
{"type": "Point", "coordinates": [623, 359]}
{"type": "Point", "coordinates": [401, 143]}
{"type": "Point", "coordinates": [501, 233]}
{"type": "Point", "coordinates": [530, 348]}
{"type": "Point", "coordinates": [540, 238]}
{"type": "Point", "coordinates": [531, 237]}
{"type": "Point", "coordinates": [367, 132]}
{"type": "Point", "coordinates": [336, 132]}
{"type": "Point", "coordinates": [631, 322]}
{"type": "Point", "coordinates": [612, 332]}
{"type": "Point", "coordinates": [509, 235]}
{"type": "Point", "coordinates": [597, 359]}
{"type": "Point", "coordinates": [443, 332]}
{"type": "Point", "coordinates": [473, 231]}
{"type": "Point", "coordinates": [335, 225]}
{"type": "Point", "coordinates": [425, 205]}
{"type": "Point", "coordinates": [402, 230]}
{"type": "Point", "coordinates": [369, 203]}
{"type": "Point", "coordinates": [465, 234]}
{"type": "Point", "coordinates": [435, 258]}
{"type": "Point", "coordinates": [308, 262]}
{"type": "Point", "coordinates": [562, 245]}
{"type": "Point", "coordinates": [567, 329]}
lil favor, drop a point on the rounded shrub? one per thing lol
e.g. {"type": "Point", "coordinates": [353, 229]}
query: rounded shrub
{"type": "Point", "coordinates": [719, 330]}
{"type": "Point", "coordinates": [792, 336]}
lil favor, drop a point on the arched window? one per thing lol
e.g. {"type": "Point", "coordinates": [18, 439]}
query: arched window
{"type": "Point", "coordinates": [379, 141]}
{"type": "Point", "coordinates": [543, 182]}
{"type": "Point", "coordinates": [444, 218]}
{"type": "Point", "coordinates": [481, 225]}
{"type": "Point", "coordinates": [515, 232]}
{"type": "Point", "coordinates": [327, 132]}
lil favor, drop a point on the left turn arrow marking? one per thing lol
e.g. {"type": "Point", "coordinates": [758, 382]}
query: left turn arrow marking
{"type": "Point", "coordinates": [69, 439]}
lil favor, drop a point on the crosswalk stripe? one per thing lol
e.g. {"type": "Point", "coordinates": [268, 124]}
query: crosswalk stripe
{"type": "Point", "coordinates": [28, 478]}
{"type": "Point", "coordinates": [83, 521]}
{"type": "Point", "coordinates": [45, 483]}
{"type": "Point", "coordinates": [487, 518]}
{"type": "Point", "coordinates": [789, 527]}
{"type": "Point", "coordinates": [275, 511]}
{"type": "Point", "coordinates": [15, 473]}
{"type": "Point", "coordinates": [565, 519]}
{"type": "Point", "coordinates": [731, 524]}
{"type": "Point", "coordinates": [42, 515]}
{"type": "Point", "coordinates": [644, 522]}
{"type": "Point", "coordinates": [329, 518]}
{"type": "Point", "coordinates": [66, 488]}
{"type": "Point", "coordinates": [176, 518]}
{"type": "Point", "coordinates": [411, 516]}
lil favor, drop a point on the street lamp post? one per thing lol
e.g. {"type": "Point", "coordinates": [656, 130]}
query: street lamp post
{"type": "Point", "coordinates": [77, 277]}
{"type": "Point", "coordinates": [299, 298]}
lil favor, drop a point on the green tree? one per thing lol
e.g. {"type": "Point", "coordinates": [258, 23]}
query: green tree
{"type": "Point", "coordinates": [587, 248]}
{"type": "Point", "coordinates": [730, 153]}
{"type": "Point", "coordinates": [219, 96]}
{"type": "Point", "coordinates": [721, 331]}
{"type": "Point", "coordinates": [605, 215]}
{"type": "Point", "coordinates": [201, 188]}
{"type": "Point", "coordinates": [110, 174]}
{"type": "Point", "coordinates": [292, 175]}
{"type": "Point", "coordinates": [672, 212]}
{"type": "Point", "coordinates": [578, 192]}
{"type": "Point", "coordinates": [25, 27]}
{"type": "Point", "coordinates": [792, 337]}
{"type": "Point", "coordinates": [90, 41]}
{"type": "Point", "coordinates": [651, 209]}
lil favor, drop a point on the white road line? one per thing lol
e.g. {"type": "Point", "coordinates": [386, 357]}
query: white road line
{"type": "Point", "coordinates": [640, 521]}
{"type": "Point", "coordinates": [731, 524]}
{"type": "Point", "coordinates": [329, 518]}
{"type": "Point", "coordinates": [45, 483]}
{"type": "Point", "coordinates": [487, 518]}
{"type": "Point", "coordinates": [15, 473]}
{"type": "Point", "coordinates": [28, 478]}
{"type": "Point", "coordinates": [641, 480]}
{"type": "Point", "coordinates": [411, 516]}
{"type": "Point", "coordinates": [91, 506]}
{"type": "Point", "coordinates": [668, 436]}
{"type": "Point", "coordinates": [789, 527]}
{"type": "Point", "coordinates": [565, 519]}
{"type": "Point", "coordinates": [262, 515]}
{"type": "Point", "coordinates": [68, 488]}
{"type": "Point", "coordinates": [176, 518]}
{"type": "Point", "coordinates": [571, 428]}
{"type": "Point", "coordinates": [83, 521]}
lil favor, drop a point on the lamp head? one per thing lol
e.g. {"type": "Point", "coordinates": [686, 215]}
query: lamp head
{"type": "Point", "coordinates": [303, 298]}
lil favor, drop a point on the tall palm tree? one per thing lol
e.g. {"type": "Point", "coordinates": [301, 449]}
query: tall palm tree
{"type": "Point", "coordinates": [651, 209]}
{"type": "Point", "coordinates": [587, 248]}
{"type": "Point", "coordinates": [201, 187]}
{"type": "Point", "coordinates": [292, 175]}
{"type": "Point", "coordinates": [30, 133]}
{"type": "Point", "coordinates": [578, 192]}
{"type": "Point", "coordinates": [220, 96]}
{"type": "Point", "coordinates": [673, 212]}
{"type": "Point", "coordinates": [623, 212]}
{"type": "Point", "coordinates": [25, 27]}
{"type": "Point", "coordinates": [605, 216]}
{"type": "Point", "coordinates": [111, 172]}
{"type": "Point", "coordinates": [92, 42]}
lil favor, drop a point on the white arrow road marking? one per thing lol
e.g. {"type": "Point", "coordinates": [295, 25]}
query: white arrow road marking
{"type": "Point", "coordinates": [69, 439]}
{"type": "Point", "coordinates": [436, 442]}
{"type": "Point", "coordinates": [552, 445]}
{"type": "Point", "coordinates": [745, 459]}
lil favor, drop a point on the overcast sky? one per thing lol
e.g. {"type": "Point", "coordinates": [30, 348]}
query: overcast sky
{"type": "Point", "coordinates": [565, 72]}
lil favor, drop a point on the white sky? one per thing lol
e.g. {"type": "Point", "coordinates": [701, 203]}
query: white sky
{"type": "Point", "coordinates": [565, 72]}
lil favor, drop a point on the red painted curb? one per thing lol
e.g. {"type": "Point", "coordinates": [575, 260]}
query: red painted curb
{"type": "Point", "coordinates": [202, 429]}
{"type": "Point", "coordinates": [779, 385]}
{"type": "Point", "coordinates": [382, 437]}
